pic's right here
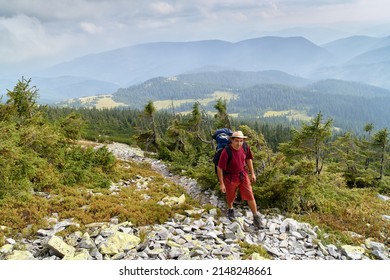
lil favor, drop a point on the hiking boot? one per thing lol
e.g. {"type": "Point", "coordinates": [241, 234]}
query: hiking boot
{"type": "Point", "coordinates": [257, 221]}
{"type": "Point", "coordinates": [230, 214]}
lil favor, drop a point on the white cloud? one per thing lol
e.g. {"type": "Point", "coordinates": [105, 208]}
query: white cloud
{"type": "Point", "coordinates": [91, 28]}
{"type": "Point", "coordinates": [24, 38]}
{"type": "Point", "coordinates": [21, 37]}
{"type": "Point", "coordinates": [163, 8]}
{"type": "Point", "coordinates": [41, 29]}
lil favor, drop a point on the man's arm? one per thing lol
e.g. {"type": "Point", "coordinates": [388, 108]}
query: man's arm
{"type": "Point", "coordinates": [220, 178]}
{"type": "Point", "coordinates": [252, 174]}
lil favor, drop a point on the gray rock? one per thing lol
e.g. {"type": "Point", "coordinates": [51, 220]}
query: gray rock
{"type": "Point", "coordinates": [20, 255]}
{"type": "Point", "coordinates": [383, 197]}
{"type": "Point", "coordinates": [352, 252]}
{"type": "Point", "coordinates": [386, 217]}
{"type": "Point", "coordinates": [59, 247]}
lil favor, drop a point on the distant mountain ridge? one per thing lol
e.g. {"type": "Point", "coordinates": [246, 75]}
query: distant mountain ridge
{"type": "Point", "coordinates": [134, 64]}
{"type": "Point", "coordinates": [358, 58]}
{"type": "Point", "coordinates": [380, 55]}
{"type": "Point", "coordinates": [350, 47]}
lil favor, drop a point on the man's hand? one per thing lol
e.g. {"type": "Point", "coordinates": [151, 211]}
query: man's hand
{"type": "Point", "coordinates": [223, 188]}
{"type": "Point", "coordinates": [253, 178]}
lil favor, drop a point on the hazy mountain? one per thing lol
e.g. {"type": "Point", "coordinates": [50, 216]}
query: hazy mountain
{"type": "Point", "coordinates": [379, 55]}
{"type": "Point", "coordinates": [316, 34]}
{"type": "Point", "coordinates": [104, 73]}
{"type": "Point", "coordinates": [377, 74]}
{"type": "Point", "coordinates": [347, 48]}
{"type": "Point", "coordinates": [54, 89]}
{"type": "Point", "coordinates": [367, 62]}
{"type": "Point", "coordinates": [134, 64]}
{"type": "Point", "coordinates": [294, 55]}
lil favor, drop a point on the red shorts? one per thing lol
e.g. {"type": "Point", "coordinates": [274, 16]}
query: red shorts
{"type": "Point", "coordinates": [244, 185]}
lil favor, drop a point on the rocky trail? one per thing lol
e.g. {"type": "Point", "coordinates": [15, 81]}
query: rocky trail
{"type": "Point", "coordinates": [186, 237]}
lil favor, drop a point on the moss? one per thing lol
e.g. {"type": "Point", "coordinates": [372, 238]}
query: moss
{"type": "Point", "coordinates": [249, 249]}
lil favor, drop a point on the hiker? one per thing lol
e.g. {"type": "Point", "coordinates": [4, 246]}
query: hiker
{"type": "Point", "coordinates": [235, 175]}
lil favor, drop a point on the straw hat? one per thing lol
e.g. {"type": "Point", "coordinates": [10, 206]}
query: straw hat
{"type": "Point", "coordinates": [238, 134]}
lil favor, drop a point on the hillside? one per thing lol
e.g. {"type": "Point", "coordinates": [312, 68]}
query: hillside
{"type": "Point", "coordinates": [192, 87]}
{"type": "Point", "coordinates": [238, 79]}
{"type": "Point", "coordinates": [256, 94]}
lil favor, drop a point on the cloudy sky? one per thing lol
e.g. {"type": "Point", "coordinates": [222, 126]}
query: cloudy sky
{"type": "Point", "coordinates": [42, 32]}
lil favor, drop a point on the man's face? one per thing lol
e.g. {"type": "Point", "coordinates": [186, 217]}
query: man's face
{"type": "Point", "coordinates": [237, 143]}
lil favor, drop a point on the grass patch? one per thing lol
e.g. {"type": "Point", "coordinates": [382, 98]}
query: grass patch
{"type": "Point", "coordinates": [166, 104]}
{"type": "Point", "coordinates": [342, 212]}
{"type": "Point", "coordinates": [97, 101]}
{"type": "Point", "coordinates": [290, 114]}
{"type": "Point", "coordinates": [249, 249]}
{"type": "Point", "coordinates": [88, 205]}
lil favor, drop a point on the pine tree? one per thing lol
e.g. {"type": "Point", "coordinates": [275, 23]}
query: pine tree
{"type": "Point", "coordinates": [222, 117]}
{"type": "Point", "coordinates": [22, 102]}
{"type": "Point", "coordinates": [310, 142]}
{"type": "Point", "coordinates": [380, 141]}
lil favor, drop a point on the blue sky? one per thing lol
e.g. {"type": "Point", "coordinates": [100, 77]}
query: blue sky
{"type": "Point", "coordinates": [36, 33]}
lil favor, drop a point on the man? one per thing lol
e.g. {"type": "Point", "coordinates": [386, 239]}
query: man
{"type": "Point", "coordinates": [232, 174]}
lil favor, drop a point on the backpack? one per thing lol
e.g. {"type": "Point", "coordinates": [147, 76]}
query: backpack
{"type": "Point", "coordinates": [222, 137]}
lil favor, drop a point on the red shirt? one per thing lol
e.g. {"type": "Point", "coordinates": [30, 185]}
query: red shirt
{"type": "Point", "coordinates": [237, 162]}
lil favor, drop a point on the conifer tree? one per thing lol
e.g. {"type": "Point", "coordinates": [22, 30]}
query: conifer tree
{"type": "Point", "coordinates": [201, 125]}
{"type": "Point", "coordinates": [196, 118]}
{"type": "Point", "coordinates": [347, 158]}
{"type": "Point", "coordinates": [310, 142]}
{"type": "Point", "coordinates": [222, 117]}
{"type": "Point", "coordinates": [369, 127]}
{"type": "Point", "coordinates": [22, 101]}
{"type": "Point", "coordinates": [152, 136]}
{"type": "Point", "coordinates": [366, 146]}
{"type": "Point", "coordinates": [381, 142]}
{"type": "Point", "coordinates": [71, 126]}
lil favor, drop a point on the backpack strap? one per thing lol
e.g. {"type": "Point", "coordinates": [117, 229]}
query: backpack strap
{"type": "Point", "coordinates": [245, 146]}
{"type": "Point", "coordinates": [230, 153]}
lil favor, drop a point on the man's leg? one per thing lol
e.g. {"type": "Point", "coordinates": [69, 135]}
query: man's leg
{"type": "Point", "coordinates": [252, 205]}
{"type": "Point", "coordinates": [248, 194]}
{"type": "Point", "coordinates": [256, 217]}
{"type": "Point", "coordinates": [230, 197]}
